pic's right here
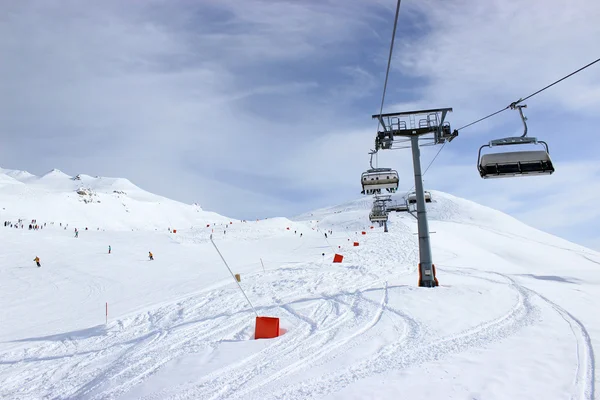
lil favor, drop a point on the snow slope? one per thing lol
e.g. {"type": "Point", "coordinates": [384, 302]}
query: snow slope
{"type": "Point", "coordinates": [514, 318]}
{"type": "Point", "coordinates": [94, 202]}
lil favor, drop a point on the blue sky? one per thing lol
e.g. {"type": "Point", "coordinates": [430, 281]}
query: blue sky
{"type": "Point", "coordinates": [262, 108]}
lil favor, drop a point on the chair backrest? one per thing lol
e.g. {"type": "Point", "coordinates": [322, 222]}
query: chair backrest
{"type": "Point", "coordinates": [514, 157]}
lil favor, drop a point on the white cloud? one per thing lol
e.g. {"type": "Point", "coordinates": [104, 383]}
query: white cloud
{"type": "Point", "coordinates": [482, 55]}
{"type": "Point", "coordinates": [128, 88]}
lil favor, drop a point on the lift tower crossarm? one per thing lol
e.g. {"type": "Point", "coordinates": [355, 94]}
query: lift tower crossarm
{"type": "Point", "coordinates": [396, 127]}
{"type": "Point", "coordinates": [433, 110]}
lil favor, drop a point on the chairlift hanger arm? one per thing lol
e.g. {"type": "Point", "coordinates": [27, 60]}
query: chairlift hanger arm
{"type": "Point", "coordinates": [371, 159]}
{"type": "Point", "coordinates": [523, 117]}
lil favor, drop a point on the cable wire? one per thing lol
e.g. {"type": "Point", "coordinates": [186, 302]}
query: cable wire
{"type": "Point", "coordinates": [389, 63]}
{"type": "Point", "coordinates": [486, 117]}
{"type": "Point", "coordinates": [427, 169]}
{"type": "Point", "coordinates": [512, 105]}
{"type": "Point", "coordinates": [387, 73]}
{"type": "Point", "coordinates": [554, 83]}
{"type": "Point", "coordinates": [434, 157]}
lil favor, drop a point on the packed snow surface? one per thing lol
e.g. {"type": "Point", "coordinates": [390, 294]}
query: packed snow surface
{"type": "Point", "coordinates": [515, 315]}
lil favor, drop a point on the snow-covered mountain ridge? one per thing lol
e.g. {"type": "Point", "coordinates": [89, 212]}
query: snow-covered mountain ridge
{"type": "Point", "coordinates": [97, 202]}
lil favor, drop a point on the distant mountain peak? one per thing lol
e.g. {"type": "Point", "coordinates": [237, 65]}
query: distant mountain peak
{"type": "Point", "coordinates": [55, 173]}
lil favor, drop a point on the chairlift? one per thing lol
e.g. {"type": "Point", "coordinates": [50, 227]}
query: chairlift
{"type": "Point", "coordinates": [376, 179]}
{"type": "Point", "coordinates": [398, 207]}
{"type": "Point", "coordinates": [401, 208]}
{"type": "Point", "coordinates": [412, 197]}
{"type": "Point", "coordinates": [378, 211]}
{"type": "Point", "coordinates": [376, 217]}
{"type": "Point", "coordinates": [515, 163]}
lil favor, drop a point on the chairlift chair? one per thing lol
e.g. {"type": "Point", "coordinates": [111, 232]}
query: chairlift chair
{"type": "Point", "coordinates": [376, 179]}
{"type": "Point", "coordinates": [412, 197]}
{"type": "Point", "coordinates": [378, 212]}
{"type": "Point", "coordinates": [373, 180]}
{"type": "Point", "coordinates": [401, 208]}
{"type": "Point", "coordinates": [398, 207]}
{"type": "Point", "coordinates": [376, 217]}
{"type": "Point", "coordinates": [515, 163]}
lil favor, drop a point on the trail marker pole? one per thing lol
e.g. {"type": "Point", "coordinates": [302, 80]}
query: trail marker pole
{"type": "Point", "coordinates": [106, 323]}
{"type": "Point", "coordinates": [233, 276]}
{"type": "Point", "coordinates": [263, 265]}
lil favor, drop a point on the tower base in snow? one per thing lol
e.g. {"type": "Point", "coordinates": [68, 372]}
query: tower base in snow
{"type": "Point", "coordinates": [430, 277]}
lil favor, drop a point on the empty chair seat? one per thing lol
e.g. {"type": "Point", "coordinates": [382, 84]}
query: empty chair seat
{"type": "Point", "coordinates": [397, 207]}
{"type": "Point", "coordinates": [515, 163]}
{"type": "Point", "coordinates": [378, 217]}
{"type": "Point", "coordinates": [412, 197]}
{"type": "Point", "coordinates": [373, 181]}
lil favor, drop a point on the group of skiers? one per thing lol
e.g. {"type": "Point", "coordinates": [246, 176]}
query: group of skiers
{"type": "Point", "coordinates": [34, 225]}
{"type": "Point", "coordinates": [31, 226]}
{"type": "Point", "coordinates": [38, 263]}
{"type": "Point", "coordinates": [150, 255]}
{"type": "Point", "coordinates": [10, 224]}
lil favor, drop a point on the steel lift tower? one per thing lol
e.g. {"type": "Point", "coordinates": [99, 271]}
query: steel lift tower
{"type": "Point", "coordinates": [429, 127]}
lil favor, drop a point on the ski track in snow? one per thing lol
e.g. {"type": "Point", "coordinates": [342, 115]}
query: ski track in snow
{"type": "Point", "coordinates": [591, 260]}
{"type": "Point", "coordinates": [131, 351]}
{"type": "Point", "coordinates": [296, 351]}
{"type": "Point", "coordinates": [105, 362]}
{"type": "Point", "coordinates": [397, 356]}
{"type": "Point", "coordinates": [139, 347]}
{"type": "Point", "coordinates": [329, 313]}
{"type": "Point", "coordinates": [310, 359]}
{"type": "Point", "coordinates": [586, 364]}
{"type": "Point", "coordinates": [584, 381]}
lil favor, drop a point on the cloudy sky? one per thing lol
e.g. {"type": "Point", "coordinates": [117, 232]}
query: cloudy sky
{"type": "Point", "coordinates": [261, 108]}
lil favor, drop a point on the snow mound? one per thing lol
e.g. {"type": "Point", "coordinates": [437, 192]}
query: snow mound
{"type": "Point", "coordinates": [8, 180]}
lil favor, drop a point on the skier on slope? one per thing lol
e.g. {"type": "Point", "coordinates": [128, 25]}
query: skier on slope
{"type": "Point", "coordinates": [150, 256]}
{"type": "Point", "coordinates": [37, 261]}
{"type": "Point", "coordinates": [109, 249]}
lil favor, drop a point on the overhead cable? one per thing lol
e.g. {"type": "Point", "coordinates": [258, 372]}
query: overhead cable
{"type": "Point", "coordinates": [389, 63]}
{"type": "Point", "coordinates": [514, 104]}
